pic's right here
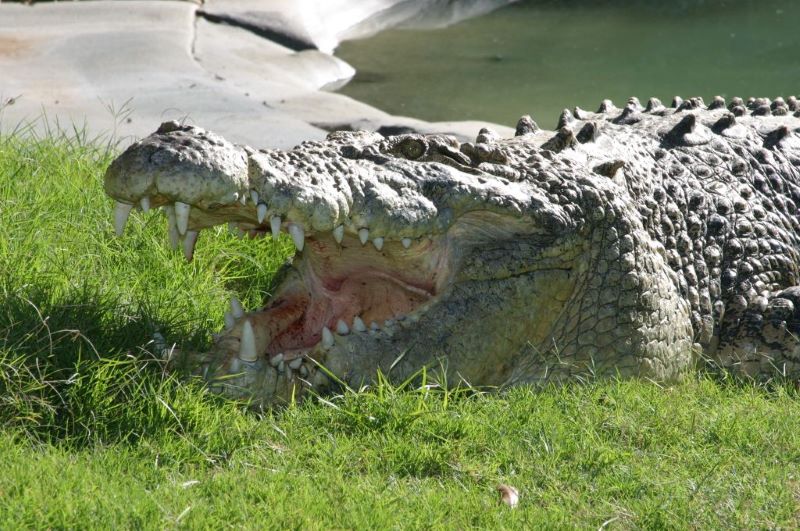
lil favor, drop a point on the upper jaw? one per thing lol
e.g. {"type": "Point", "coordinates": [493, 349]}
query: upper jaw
{"type": "Point", "coordinates": [315, 188]}
{"type": "Point", "coordinates": [179, 167]}
{"type": "Point", "coordinates": [179, 163]}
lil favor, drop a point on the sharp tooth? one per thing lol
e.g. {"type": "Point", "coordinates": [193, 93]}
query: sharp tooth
{"type": "Point", "coordinates": [378, 243]}
{"type": "Point", "coordinates": [243, 199]}
{"type": "Point", "coordinates": [182, 216]}
{"type": "Point", "coordinates": [276, 360]}
{"type": "Point", "coordinates": [296, 363]}
{"type": "Point", "coordinates": [338, 233]}
{"type": "Point", "coordinates": [327, 338]}
{"type": "Point", "coordinates": [247, 348]}
{"type": "Point", "coordinates": [189, 241]}
{"type": "Point", "coordinates": [406, 242]}
{"type": "Point", "coordinates": [358, 324]}
{"type": "Point", "coordinates": [254, 196]}
{"type": "Point", "coordinates": [235, 366]}
{"type": "Point", "coordinates": [145, 204]}
{"type": "Point", "coordinates": [341, 328]}
{"type": "Point", "coordinates": [298, 235]}
{"type": "Point", "coordinates": [304, 371]}
{"type": "Point", "coordinates": [121, 213]}
{"type": "Point", "coordinates": [172, 227]}
{"type": "Point", "coordinates": [374, 326]}
{"type": "Point", "coordinates": [261, 211]}
{"type": "Point", "coordinates": [282, 366]}
{"type": "Point", "coordinates": [236, 308]}
{"type": "Point", "coordinates": [275, 225]}
{"type": "Point", "coordinates": [363, 235]}
{"type": "Point", "coordinates": [230, 321]}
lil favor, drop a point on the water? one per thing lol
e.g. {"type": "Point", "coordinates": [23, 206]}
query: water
{"type": "Point", "coordinates": [538, 57]}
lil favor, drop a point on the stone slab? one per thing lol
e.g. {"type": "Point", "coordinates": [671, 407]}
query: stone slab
{"type": "Point", "coordinates": [122, 67]}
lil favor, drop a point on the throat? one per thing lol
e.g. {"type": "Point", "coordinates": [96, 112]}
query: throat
{"type": "Point", "coordinates": [353, 287]}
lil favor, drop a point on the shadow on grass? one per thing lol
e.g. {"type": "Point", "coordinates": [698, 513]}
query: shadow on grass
{"type": "Point", "coordinates": [84, 323]}
{"type": "Point", "coordinates": [81, 369]}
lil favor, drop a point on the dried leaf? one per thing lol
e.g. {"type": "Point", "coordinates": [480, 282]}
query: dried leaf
{"type": "Point", "coordinates": [508, 495]}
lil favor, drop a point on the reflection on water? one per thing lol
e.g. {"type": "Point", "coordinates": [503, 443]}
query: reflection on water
{"type": "Point", "coordinates": [539, 57]}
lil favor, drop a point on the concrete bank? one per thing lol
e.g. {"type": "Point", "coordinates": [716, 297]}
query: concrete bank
{"type": "Point", "coordinates": [258, 73]}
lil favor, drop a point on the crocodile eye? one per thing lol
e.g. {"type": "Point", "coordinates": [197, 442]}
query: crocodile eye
{"type": "Point", "coordinates": [413, 148]}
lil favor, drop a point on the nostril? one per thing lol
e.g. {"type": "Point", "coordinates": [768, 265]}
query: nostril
{"type": "Point", "coordinates": [168, 127]}
{"type": "Point", "coordinates": [413, 148]}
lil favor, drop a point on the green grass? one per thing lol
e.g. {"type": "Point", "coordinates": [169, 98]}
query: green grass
{"type": "Point", "coordinates": [94, 434]}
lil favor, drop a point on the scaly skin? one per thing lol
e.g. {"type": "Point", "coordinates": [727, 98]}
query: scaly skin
{"type": "Point", "coordinates": [630, 242]}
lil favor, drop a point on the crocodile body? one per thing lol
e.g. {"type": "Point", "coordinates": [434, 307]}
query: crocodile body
{"type": "Point", "coordinates": [629, 242]}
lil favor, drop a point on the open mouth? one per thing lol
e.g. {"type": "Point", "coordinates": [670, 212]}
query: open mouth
{"type": "Point", "coordinates": [340, 285]}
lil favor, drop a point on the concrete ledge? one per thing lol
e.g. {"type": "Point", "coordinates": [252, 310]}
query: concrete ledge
{"type": "Point", "coordinates": [122, 67]}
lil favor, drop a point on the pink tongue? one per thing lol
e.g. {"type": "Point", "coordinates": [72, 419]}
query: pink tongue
{"type": "Point", "coordinates": [379, 300]}
{"type": "Point", "coordinates": [373, 297]}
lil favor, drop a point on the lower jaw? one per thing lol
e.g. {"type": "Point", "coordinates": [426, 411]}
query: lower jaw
{"type": "Point", "coordinates": [285, 374]}
{"type": "Point", "coordinates": [288, 376]}
{"type": "Point", "coordinates": [315, 316]}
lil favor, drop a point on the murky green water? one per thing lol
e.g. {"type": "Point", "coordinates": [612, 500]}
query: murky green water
{"type": "Point", "coordinates": [539, 57]}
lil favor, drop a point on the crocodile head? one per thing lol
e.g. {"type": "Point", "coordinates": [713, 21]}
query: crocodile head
{"type": "Point", "coordinates": [411, 251]}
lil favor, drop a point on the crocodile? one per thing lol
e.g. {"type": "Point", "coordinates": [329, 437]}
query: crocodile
{"type": "Point", "coordinates": [641, 241]}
